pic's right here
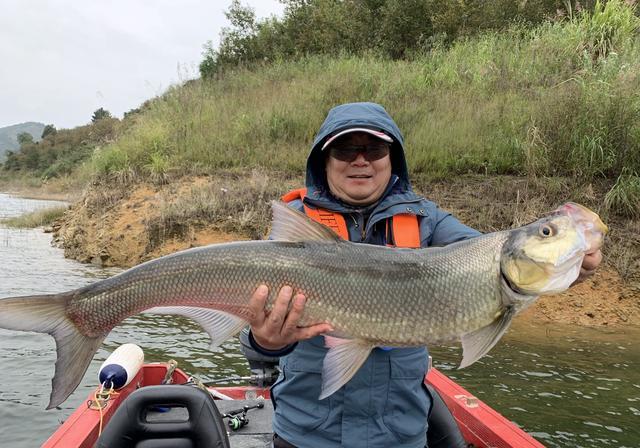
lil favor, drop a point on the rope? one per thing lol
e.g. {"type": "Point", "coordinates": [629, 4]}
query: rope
{"type": "Point", "coordinates": [95, 398]}
{"type": "Point", "coordinates": [100, 399]}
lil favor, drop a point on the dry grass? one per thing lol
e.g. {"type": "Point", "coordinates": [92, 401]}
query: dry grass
{"type": "Point", "coordinates": [623, 249]}
{"type": "Point", "coordinates": [232, 202]}
{"type": "Point", "coordinates": [38, 218]}
{"type": "Point", "coordinates": [102, 196]}
{"type": "Point", "coordinates": [497, 203]}
{"type": "Point", "coordinates": [65, 188]}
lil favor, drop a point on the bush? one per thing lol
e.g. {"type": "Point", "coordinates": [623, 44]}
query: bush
{"type": "Point", "coordinates": [111, 161]}
{"type": "Point", "coordinates": [61, 152]}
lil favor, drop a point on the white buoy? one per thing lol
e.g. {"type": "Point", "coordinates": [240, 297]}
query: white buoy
{"type": "Point", "coordinates": [121, 366]}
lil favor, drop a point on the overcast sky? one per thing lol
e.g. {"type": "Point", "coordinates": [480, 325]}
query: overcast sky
{"type": "Point", "coordinates": [60, 60]}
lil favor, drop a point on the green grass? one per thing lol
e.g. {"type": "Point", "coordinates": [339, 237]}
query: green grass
{"type": "Point", "coordinates": [624, 196]}
{"type": "Point", "coordinates": [559, 99]}
{"type": "Point", "coordinates": [38, 218]}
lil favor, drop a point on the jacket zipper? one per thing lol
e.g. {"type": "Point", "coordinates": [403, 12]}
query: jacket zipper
{"type": "Point", "coordinates": [357, 226]}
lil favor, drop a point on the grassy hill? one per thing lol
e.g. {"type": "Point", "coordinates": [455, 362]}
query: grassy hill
{"type": "Point", "coordinates": [556, 99]}
{"type": "Point", "coordinates": [9, 135]}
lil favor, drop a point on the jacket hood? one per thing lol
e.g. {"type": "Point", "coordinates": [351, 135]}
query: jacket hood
{"type": "Point", "coordinates": [362, 115]}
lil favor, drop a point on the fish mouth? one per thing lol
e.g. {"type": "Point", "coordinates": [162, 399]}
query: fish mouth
{"type": "Point", "coordinates": [558, 277]}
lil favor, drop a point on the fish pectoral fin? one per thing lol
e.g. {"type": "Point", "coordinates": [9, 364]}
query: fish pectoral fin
{"type": "Point", "coordinates": [291, 225]}
{"type": "Point", "coordinates": [478, 343]}
{"type": "Point", "coordinates": [341, 362]}
{"type": "Point", "coordinates": [219, 325]}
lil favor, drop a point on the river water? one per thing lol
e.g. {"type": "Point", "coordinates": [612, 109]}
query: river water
{"type": "Point", "coordinates": [568, 386]}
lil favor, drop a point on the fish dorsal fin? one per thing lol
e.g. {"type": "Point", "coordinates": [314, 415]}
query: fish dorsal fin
{"type": "Point", "coordinates": [478, 343]}
{"type": "Point", "coordinates": [341, 362]}
{"type": "Point", "coordinates": [219, 325]}
{"type": "Point", "coordinates": [291, 225]}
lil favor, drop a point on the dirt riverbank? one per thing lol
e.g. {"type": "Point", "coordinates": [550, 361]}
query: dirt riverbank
{"type": "Point", "coordinates": [123, 226]}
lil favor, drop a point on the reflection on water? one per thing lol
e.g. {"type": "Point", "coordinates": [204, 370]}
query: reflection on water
{"type": "Point", "coordinates": [570, 387]}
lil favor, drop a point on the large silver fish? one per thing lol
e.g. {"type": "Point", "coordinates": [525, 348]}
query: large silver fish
{"type": "Point", "coordinates": [372, 295]}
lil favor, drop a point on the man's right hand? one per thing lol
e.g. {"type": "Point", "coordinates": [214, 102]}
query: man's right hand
{"type": "Point", "coordinates": [278, 328]}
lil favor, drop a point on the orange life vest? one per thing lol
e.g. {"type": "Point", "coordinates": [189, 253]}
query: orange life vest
{"type": "Point", "coordinates": [404, 226]}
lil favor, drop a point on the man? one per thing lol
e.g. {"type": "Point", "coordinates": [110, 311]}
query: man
{"type": "Point", "coordinates": [357, 183]}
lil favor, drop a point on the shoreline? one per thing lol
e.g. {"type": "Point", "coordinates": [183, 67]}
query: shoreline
{"type": "Point", "coordinates": [36, 194]}
{"type": "Point", "coordinates": [30, 188]}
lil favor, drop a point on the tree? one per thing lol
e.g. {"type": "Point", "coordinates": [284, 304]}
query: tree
{"type": "Point", "coordinates": [208, 65]}
{"type": "Point", "coordinates": [11, 163]}
{"type": "Point", "coordinates": [405, 25]}
{"type": "Point", "coordinates": [49, 130]}
{"type": "Point", "coordinates": [237, 43]}
{"type": "Point", "coordinates": [133, 111]}
{"type": "Point", "coordinates": [24, 138]}
{"type": "Point", "coordinates": [100, 114]}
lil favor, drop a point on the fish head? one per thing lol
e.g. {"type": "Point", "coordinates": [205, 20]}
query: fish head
{"type": "Point", "coordinates": [545, 257]}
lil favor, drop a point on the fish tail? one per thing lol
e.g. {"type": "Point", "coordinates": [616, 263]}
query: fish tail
{"type": "Point", "coordinates": [47, 314]}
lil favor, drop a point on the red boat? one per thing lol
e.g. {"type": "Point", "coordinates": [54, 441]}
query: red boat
{"type": "Point", "coordinates": [480, 425]}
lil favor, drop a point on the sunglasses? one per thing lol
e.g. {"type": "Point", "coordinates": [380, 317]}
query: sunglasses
{"type": "Point", "coordinates": [349, 153]}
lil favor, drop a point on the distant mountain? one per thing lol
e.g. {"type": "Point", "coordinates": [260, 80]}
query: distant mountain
{"type": "Point", "coordinates": [9, 135]}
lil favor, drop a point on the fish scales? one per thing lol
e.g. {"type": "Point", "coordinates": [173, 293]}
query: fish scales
{"type": "Point", "coordinates": [421, 295]}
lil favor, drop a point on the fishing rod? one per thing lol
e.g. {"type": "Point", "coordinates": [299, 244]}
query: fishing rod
{"type": "Point", "coordinates": [238, 417]}
{"type": "Point", "coordinates": [260, 378]}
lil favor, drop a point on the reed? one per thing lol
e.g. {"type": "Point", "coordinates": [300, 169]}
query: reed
{"type": "Point", "coordinates": [38, 218]}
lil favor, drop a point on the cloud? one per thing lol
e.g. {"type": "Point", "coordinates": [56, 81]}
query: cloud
{"type": "Point", "coordinates": [60, 60]}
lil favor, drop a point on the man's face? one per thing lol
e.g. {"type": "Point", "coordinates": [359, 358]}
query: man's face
{"type": "Point", "coordinates": [358, 168]}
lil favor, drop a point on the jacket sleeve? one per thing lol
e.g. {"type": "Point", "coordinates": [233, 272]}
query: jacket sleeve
{"type": "Point", "coordinates": [444, 229]}
{"type": "Point", "coordinates": [284, 351]}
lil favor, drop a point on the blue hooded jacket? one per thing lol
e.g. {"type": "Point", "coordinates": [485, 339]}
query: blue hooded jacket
{"type": "Point", "coordinates": [385, 404]}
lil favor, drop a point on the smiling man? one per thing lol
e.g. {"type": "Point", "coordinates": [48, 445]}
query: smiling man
{"type": "Point", "coordinates": [358, 185]}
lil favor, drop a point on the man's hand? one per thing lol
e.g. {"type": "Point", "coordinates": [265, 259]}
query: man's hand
{"type": "Point", "coordinates": [278, 328]}
{"type": "Point", "coordinates": [589, 264]}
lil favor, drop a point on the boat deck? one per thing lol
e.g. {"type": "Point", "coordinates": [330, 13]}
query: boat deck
{"type": "Point", "coordinates": [257, 433]}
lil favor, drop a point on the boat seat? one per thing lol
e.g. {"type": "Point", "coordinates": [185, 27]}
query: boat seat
{"type": "Point", "coordinates": [443, 431]}
{"type": "Point", "coordinates": [176, 416]}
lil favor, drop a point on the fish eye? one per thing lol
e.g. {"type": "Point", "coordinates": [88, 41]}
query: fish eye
{"type": "Point", "coordinates": [546, 230]}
